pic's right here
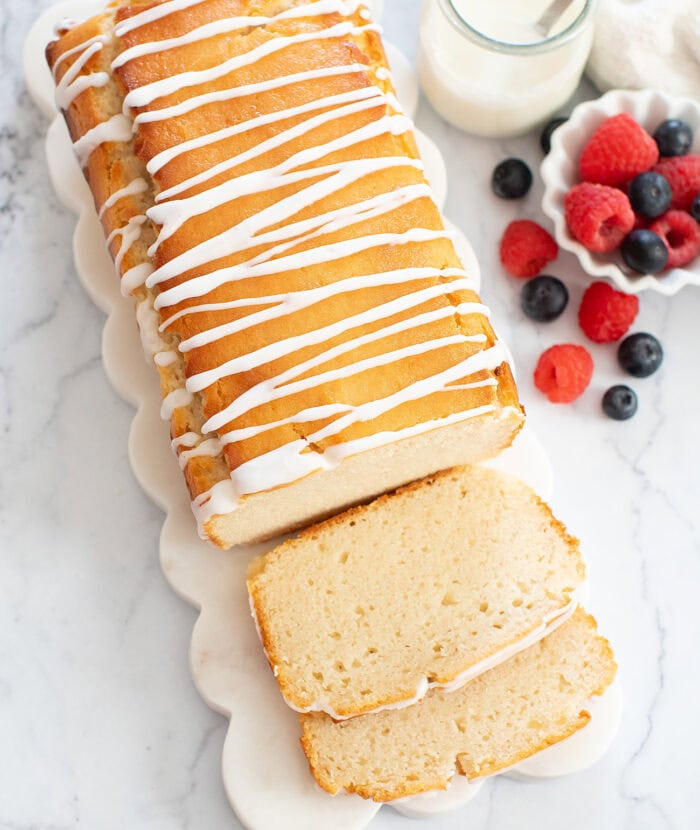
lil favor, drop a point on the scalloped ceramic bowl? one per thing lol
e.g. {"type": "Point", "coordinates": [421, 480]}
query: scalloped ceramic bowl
{"type": "Point", "coordinates": [560, 172]}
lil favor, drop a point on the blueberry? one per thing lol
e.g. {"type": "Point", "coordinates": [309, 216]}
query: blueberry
{"type": "Point", "coordinates": [544, 298]}
{"type": "Point", "coordinates": [511, 179]}
{"type": "Point", "coordinates": [620, 403]}
{"type": "Point", "coordinates": [546, 136]}
{"type": "Point", "coordinates": [650, 195]}
{"type": "Point", "coordinates": [644, 251]}
{"type": "Point", "coordinates": [695, 208]}
{"type": "Point", "coordinates": [673, 137]}
{"type": "Point", "coordinates": [640, 354]}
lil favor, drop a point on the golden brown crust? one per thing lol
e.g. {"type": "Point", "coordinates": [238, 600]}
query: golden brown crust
{"type": "Point", "coordinates": [112, 166]}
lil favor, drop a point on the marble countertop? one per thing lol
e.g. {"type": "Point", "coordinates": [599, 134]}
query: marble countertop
{"type": "Point", "coordinates": [100, 724]}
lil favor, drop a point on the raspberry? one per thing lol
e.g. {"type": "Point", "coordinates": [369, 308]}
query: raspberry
{"type": "Point", "coordinates": [681, 233]}
{"type": "Point", "coordinates": [641, 223]}
{"type": "Point", "coordinates": [618, 150]}
{"type": "Point", "coordinates": [526, 248]}
{"type": "Point", "coordinates": [683, 174]}
{"type": "Point", "coordinates": [564, 372]}
{"type": "Point", "coordinates": [599, 217]}
{"type": "Point", "coordinates": [605, 314]}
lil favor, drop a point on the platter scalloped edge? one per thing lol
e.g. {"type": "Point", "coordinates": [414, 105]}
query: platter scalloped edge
{"type": "Point", "coordinates": [227, 664]}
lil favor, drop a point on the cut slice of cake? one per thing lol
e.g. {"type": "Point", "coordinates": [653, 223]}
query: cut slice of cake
{"type": "Point", "coordinates": [429, 586]}
{"type": "Point", "coordinates": [532, 701]}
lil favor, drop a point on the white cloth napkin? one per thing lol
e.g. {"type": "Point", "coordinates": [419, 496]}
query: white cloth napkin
{"type": "Point", "coordinates": [647, 43]}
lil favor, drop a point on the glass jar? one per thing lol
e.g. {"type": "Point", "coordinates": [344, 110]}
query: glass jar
{"type": "Point", "coordinates": [487, 68]}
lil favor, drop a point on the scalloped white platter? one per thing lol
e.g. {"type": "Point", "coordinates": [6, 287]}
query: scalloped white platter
{"type": "Point", "coordinates": [264, 770]}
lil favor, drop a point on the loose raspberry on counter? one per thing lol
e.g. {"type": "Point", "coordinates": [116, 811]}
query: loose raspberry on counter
{"type": "Point", "coordinates": [618, 150]}
{"type": "Point", "coordinates": [681, 233]}
{"type": "Point", "coordinates": [563, 372]}
{"type": "Point", "coordinates": [600, 217]}
{"type": "Point", "coordinates": [605, 314]}
{"type": "Point", "coordinates": [526, 248]}
{"type": "Point", "coordinates": [683, 174]}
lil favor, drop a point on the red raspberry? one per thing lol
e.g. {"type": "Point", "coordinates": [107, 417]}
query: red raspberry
{"type": "Point", "coordinates": [681, 233]}
{"type": "Point", "coordinates": [599, 217]}
{"type": "Point", "coordinates": [641, 223]}
{"type": "Point", "coordinates": [683, 174]}
{"type": "Point", "coordinates": [605, 314]}
{"type": "Point", "coordinates": [564, 372]}
{"type": "Point", "coordinates": [526, 248]}
{"type": "Point", "coordinates": [618, 150]}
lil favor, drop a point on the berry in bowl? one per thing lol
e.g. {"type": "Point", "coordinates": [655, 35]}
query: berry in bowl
{"type": "Point", "coordinates": [622, 185]}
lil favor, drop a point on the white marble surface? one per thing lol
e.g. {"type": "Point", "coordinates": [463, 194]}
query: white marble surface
{"type": "Point", "coordinates": [100, 725]}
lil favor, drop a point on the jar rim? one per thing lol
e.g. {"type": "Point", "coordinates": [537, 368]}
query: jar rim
{"type": "Point", "coordinates": [533, 48]}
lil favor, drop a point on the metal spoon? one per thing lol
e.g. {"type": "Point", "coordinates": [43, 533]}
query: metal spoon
{"type": "Point", "coordinates": [550, 15]}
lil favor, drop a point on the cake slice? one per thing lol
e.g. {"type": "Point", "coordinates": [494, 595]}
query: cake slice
{"type": "Point", "coordinates": [317, 338]}
{"type": "Point", "coordinates": [535, 699]}
{"type": "Point", "coordinates": [428, 586]}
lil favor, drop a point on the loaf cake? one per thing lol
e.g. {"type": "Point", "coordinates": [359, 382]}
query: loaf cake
{"type": "Point", "coordinates": [317, 338]}
{"type": "Point", "coordinates": [429, 586]}
{"type": "Point", "coordinates": [532, 701]}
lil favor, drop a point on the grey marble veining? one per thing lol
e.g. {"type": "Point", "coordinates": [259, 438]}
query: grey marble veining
{"type": "Point", "coordinates": [100, 725]}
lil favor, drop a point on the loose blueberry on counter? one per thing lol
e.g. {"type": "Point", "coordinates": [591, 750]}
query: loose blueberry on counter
{"type": "Point", "coordinates": [620, 403]}
{"type": "Point", "coordinates": [546, 136]}
{"type": "Point", "coordinates": [650, 195]}
{"type": "Point", "coordinates": [511, 179]}
{"type": "Point", "coordinates": [695, 208]}
{"type": "Point", "coordinates": [673, 137]}
{"type": "Point", "coordinates": [640, 354]}
{"type": "Point", "coordinates": [544, 298]}
{"type": "Point", "coordinates": [644, 251]}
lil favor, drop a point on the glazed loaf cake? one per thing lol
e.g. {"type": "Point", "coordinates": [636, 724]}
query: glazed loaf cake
{"type": "Point", "coordinates": [317, 339]}
{"type": "Point", "coordinates": [532, 701]}
{"type": "Point", "coordinates": [429, 586]}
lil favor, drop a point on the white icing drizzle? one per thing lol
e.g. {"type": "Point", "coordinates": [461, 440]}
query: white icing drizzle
{"type": "Point", "coordinates": [293, 461]}
{"type": "Point", "coordinates": [210, 447]}
{"type": "Point", "coordinates": [187, 439]}
{"type": "Point", "coordinates": [174, 400]}
{"type": "Point", "coordinates": [227, 25]}
{"type": "Point", "coordinates": [395, 124]}
{"type": "Point", "coordinates": [118, 128]}
{"type": "Point", "coordinates": [147, 94]}
{"type": "Point", "coordinates": [73, 83]}
{"type": "Point", "coordinates": [273, 351]}
{"type": "Point", "coordinates": [129, 233]}
{"type": "Point", "coordinates": [147, 318]}
{"type": "Point", "coordinates": [189, 104]}
{"type": "Point", "coordinates": [174, 208]}
{"type": "Point", "coordinates": [153, 14]}
{"type": "Point", "coordinates": [135, 277]}
{"type": "Point", "coordinates": [224, 496]}
{"type": "Point", "coordinates": [160, 160]}
{"type": "Point", "coordinates": [65, 24]}
{"type": "Point", "coordinates": [103, 40]}
{"type": "Point", "coordinates": [132, 189]}
{"type": "Point", "coordinates": [165, 358]}
{"type": "Point", "coordinates": [217, 27]}
{"type": "Point", "coordinates": [295, 300]}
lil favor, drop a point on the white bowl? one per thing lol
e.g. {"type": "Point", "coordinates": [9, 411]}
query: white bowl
{"type": "Point", "coordinates": [560, 173]}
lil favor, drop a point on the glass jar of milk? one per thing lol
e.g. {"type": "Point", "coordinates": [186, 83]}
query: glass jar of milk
{"type": "Point", "coordinates": [492, 68]}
